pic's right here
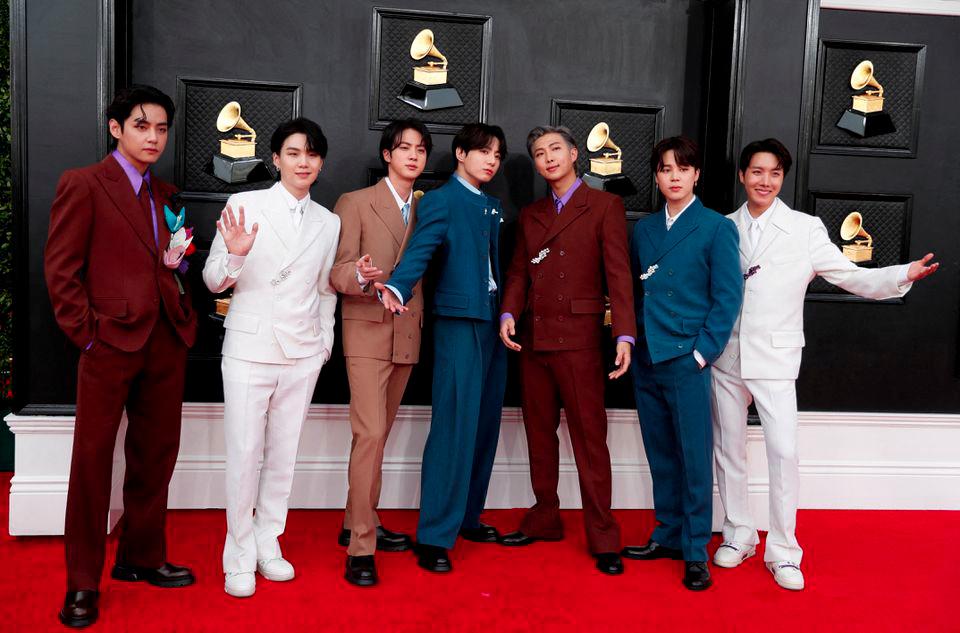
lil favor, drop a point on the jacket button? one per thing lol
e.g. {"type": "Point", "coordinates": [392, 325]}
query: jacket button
{"type": "Point", "coordinates": [410, 336]}
{"type": "Point", "coordinates": [679, 346]}
{"type": "Point", "coordinates": [538, 318]}
{"type": "Point", "coordinates": [560, 318]}
{"type": "Point", "coordinates": [562, 275]}
{"type": "Point", "coordinates": [559, 297]}
{"type": "Point", "coordinates": [669, 293]}
{"type": "Point", "coordinates": [646, 293]}
{"type": "Point", "coordinates": [560, 340]}
{"type": "Point", "coordinates": [670, 273]}
{"type": "Point", "coordinates": [539, 275]}
{"type": "Point", "coordinates": [406, 355]}
{"type": "Point", "coordinates": [562, 253]}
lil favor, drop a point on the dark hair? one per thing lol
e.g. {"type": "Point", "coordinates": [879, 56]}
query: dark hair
{"type": "Point", "coordinates": [390, 139]}
{"type": "Point", "coordinates": [477, 136]}
{"type": "Point", "coordinates": [126, 99]}
{"type": "Point", "coordinates": [542, 130]}
{"type": "Point", "coordinates": [771, 146]}
{"type": "Point", "coordinates": [685, 151]}
{"type": "Point", "coordinates": [316, 141]}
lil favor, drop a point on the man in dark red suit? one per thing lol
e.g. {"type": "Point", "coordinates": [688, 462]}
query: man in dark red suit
{"type": "Point", "coordinates": [117, 301]}
{"type": "Point", "coordinates": [570, 245]}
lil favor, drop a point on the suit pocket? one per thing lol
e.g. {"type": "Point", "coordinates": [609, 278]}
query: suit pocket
{"type": "Point", "coordinates": [451, 300]}
{"type": "Point", "coordinates": [109, 307]}
{"type": "Point", "coordinates": [787, 339]}
{"type": "Point", "coordinates": [586, 306]}
{"type": "Point", "coordinates": [363, 311]}
{"type": "Point", "coordinates": [242, 322]}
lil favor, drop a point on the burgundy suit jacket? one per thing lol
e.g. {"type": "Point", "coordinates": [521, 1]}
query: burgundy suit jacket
{"type": "Point", "coordinates": [558, 302]}
{"type": "Point", "coordinates": [104, 271]}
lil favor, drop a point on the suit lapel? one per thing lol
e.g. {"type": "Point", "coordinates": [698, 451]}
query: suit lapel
{"type": "Point", "coordinates": [775, 226]}
{"type": "Point", "coordinates": [385, 206]}
{"type": "Point", "coordinates": [742, 229]}
{"type": "Point", "coordinates": [687, 223]}
{"type": "Point", "coordinates": [575, 207]}
{"type": "Point", "coordinates": [277, 215]}
{"type": "Point", "coordinates": [117, 186]}
{"type": "Point", "coordinates": [310, 229]}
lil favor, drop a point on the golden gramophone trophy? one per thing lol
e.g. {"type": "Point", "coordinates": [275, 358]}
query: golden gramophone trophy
{"type": "Point", "coordinates": [429, 89]}
{"type": "Point", "coordinates": [236, 161]}
{"type": "Point", "coordinates": [866, 116]}
{"type": "Point", "coordinates": [606, 171]}
{"type": "Point", "coordinates": [858, 251]}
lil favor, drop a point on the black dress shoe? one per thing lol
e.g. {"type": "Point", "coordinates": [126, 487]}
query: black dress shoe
{"type": "Point", "coordinates": [609, 563]}
{"type": "Point", "coordinates": [80, 608]}
{"type": "Point", "coordinates": [387, 541]}
{"type": "Point", "coordinates": [481, 534]}
{"type": "Point", "coordinates": [167, 575]}
{"type": "Point", "coordinates": [432, 558]}
{"type": "Point", "coordinates": [651, 551]}
{"type": "Point", "coordinates": [361, 571]}
{"type": "Point", "coordinates": [519, 539]}
{"type": "Point", "coordinates": [697, 576]}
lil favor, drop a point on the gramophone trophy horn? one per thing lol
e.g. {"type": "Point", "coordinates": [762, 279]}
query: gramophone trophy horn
{"type": "Point", "coordinates": [611, 163]}
{"type": "Point", "coordinates": [866, 116]}
{"type": "Point", "coordinates": [237, 158]}
{"type": "Point", "coordinates": [850, 229]}
{"type": "Point", "coordinates": [230, 118]}
{"type": "Point", "coordinates": [429, 89]}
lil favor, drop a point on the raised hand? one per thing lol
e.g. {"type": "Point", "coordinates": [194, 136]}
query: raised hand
{"type": "Point", "coordinates": [388, 299]}
{"type": "Point", "coordinates": [366, 270]}
{"type": "Point", "coordinates": [622, 362]}
{"type": "Point", "coordinates": [919, 269]}
{"type": "Point", "coordinates": [235, 235]}
{"type": "Point", "coordinates": [508, 329]}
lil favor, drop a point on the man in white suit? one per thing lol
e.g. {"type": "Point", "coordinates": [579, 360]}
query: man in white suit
{"type": "Point", "coordinates": [279, 333]}
{"type": "Point", "coordinates": [781, 251]}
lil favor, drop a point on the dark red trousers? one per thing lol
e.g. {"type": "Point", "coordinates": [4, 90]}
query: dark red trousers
{"type": "Point", "coordinates": [149, 384]}
{"type": "Point", "coordinates": [572, 380]}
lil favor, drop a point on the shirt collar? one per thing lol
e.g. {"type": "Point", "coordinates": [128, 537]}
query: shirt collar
{"type": "Point", "coordinates": [748, 219]}
{"type": "Point", "coordinates": [135, 177]}
{"type": "Point", "coordinates": [292, 203]}
{"type": "Point", "coordinates": [563, 200]}
{"type": "Point", "coordinates": [671, 221]}
{"type": "Point", "coordinates": [396, 196]}
{"type": "Point", "coordinates": [466, 184]}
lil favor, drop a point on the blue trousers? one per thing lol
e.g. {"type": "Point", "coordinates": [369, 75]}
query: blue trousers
{"type": "Point", "coordinates": [673, 403]}
{"type": "Point", "coordinates": [469, 377]}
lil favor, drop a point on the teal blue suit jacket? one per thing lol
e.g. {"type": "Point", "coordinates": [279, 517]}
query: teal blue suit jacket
{"type": "Point", "coordinates": [459, 230]}
{"type": "Point", "coordinates": [691, 300]}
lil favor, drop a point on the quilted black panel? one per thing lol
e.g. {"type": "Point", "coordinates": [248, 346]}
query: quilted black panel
{"type": "Point", "coordinates": [885, 219]}
{"type": "Point", "coordinates": [635, 132]}
{"type": "Point", "coordinates": [460, 42]}
{"type": "Point", "coordinates": [263, 109]}
{"type": "Point", "coordinates": [896, 70]}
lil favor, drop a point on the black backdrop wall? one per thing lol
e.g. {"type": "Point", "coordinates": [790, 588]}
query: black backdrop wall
{"type": "Point", "coordinates": [726, 72]}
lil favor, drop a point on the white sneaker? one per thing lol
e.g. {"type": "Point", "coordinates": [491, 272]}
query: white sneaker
{"type": "Point", "coordinates": [240, 584]}
{"type": "Point", "coordinates": [787, 574]}
{"type": "Point", "coordinates": [275, 569]}
{"type": "Point", "coordinates": [731, 554]}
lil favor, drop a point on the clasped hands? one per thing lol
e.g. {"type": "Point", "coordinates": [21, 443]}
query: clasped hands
{"type": "Point", "coordinates": [508, 329]}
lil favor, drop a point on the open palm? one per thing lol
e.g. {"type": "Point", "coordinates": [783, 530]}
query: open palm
{"type": "Point", "coordinates": [234, 233]}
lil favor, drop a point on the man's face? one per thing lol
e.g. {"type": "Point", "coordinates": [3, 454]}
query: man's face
{"type": "Point", "coordinates": [408, 158]}
{"type": "Point", "coordinates": [762, 179]}
{"type": "Point", "coordinates": [143, 136]}
{"type": "Point", "coordinates": [553, 158]}
{"type": "Point", "coordinates": [298, 165]}
{"type": "Point", "coordinates": [481, 164]}
{"type": "Point", "coordinates": [676, 181]}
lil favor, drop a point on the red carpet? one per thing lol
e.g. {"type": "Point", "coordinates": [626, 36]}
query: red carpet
{"type": "Point", "coordinates": [866, 571]}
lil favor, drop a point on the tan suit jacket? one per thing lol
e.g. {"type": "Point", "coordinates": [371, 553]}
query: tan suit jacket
{"type": "Point", "coordinates": [370, 222]}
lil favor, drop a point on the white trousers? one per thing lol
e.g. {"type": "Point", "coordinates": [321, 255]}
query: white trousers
{"type": "Point", "coordinates": [776, 402]}
{"type": "Point", "coordinates": [265, 405]}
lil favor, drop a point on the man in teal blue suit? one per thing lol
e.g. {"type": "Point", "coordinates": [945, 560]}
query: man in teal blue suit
{"type": "Point", "coordinates": [458, 228]}
{"type": "Point", "coordinates": [686, 266]}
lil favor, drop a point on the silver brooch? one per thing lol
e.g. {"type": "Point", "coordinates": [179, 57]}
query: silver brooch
{"type": "Point", "coordinates": [281, 277]}
{"type": "Point", "coordinates": [540, 256]}
{"type": "Point", "coordinates": [650, 270]}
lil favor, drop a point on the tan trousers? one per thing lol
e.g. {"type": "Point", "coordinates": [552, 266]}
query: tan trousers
{"type": "Point", "coordinates": [376, 388]}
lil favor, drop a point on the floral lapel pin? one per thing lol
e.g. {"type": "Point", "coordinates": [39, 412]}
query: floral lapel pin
{"type": "Point", "coordinates": [540, 256]}
{"type": "Point", "coordinates": [650, 270]}
{"type": "Point", "coordinates": [753, 270]}
{"type": "Point", "coordinates": [174, 220]}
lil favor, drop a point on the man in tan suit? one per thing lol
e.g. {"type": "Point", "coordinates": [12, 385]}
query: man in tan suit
{"type": "Point", "coordinates": [380, 347]}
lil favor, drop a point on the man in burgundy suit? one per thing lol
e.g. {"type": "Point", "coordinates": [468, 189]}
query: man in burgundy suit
{"type": "Point", "coordinates": [115, 299]}
{"type": "Point", "coordinates": [570, 245]}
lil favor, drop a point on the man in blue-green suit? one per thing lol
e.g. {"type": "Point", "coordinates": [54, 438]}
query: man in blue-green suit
{"type": "Point", "coordinates": [686, 267]}
{"type": "Point", "coordinates": [458, 229]}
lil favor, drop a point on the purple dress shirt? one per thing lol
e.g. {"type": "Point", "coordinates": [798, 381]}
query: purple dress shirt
{"type": "Point", "coordinates": [136, 181]}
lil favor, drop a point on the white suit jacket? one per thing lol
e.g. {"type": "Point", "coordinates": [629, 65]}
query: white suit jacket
{"type": "Point", "coordinates": [794, 248]}
{"type": "Point", "coordinates": [283, 305]}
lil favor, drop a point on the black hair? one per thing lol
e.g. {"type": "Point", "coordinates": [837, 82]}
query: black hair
{"type": "Point", "coordinates": [686, 153]}
{"type": "Point", "coordinates": [393, 133]}
{"type": "Point", "coordinates": [477, 136]}
{"type": "Point", "coordinates": [126, 99]}
{"type": "Point", "coordinates": [316, 141]}
{"type": "Point", "coordinates": [771, 146]}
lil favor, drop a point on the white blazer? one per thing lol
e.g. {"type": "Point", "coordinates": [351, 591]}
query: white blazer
{"type": "Point", "coordinates": [283, 305]}
{"type": "Point", "coordinates": [793, 249]}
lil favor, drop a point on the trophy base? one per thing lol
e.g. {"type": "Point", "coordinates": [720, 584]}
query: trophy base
{"type": "Point", "coordinates": [866, 124]}
{"type": "Point", "coordinates": [238, 170]}
{"type": "Point", "coordinates": [618, 185]}
{"type": "Point", "coordinates": [425, 97]}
